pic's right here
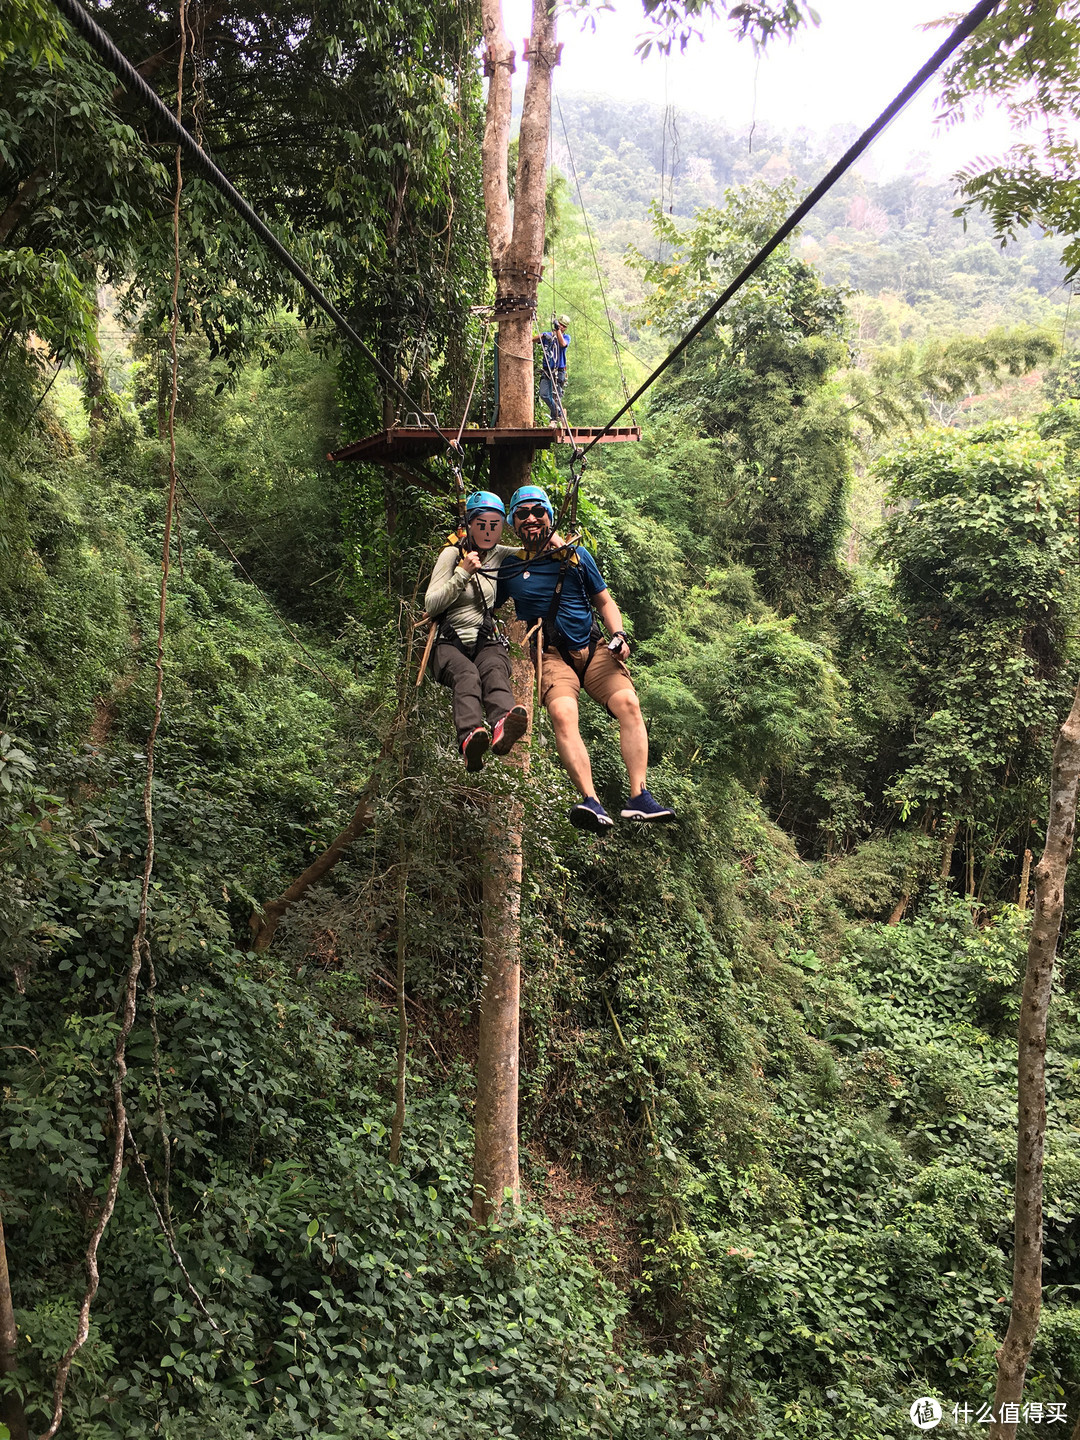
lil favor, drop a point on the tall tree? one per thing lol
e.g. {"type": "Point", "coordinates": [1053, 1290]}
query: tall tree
{"type": "Point", "coordinates": [1050, 876]}
{"type": "Point", "coordinates": [981, 541]}
{"type": "Point", "coordinates": [516, 242]}
{"type": "Point", "coordinates": [759, 387]}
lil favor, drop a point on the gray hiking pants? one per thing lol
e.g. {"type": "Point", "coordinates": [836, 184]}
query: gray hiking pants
{"type": "Point", "coordinates": [480, 686]}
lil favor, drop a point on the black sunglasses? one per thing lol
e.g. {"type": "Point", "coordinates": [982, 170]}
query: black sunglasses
{"type": "Point", "coordinates": [534, 512]}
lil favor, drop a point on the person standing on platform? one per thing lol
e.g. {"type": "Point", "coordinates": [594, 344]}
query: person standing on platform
{"type": "Point", "coordinates": [553, 346]}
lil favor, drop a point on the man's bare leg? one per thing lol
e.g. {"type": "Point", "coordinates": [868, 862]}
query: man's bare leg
{"type": "Point", "coordinates": [564, 721]}
{"type": "Point", "coordinates": [633, 737]}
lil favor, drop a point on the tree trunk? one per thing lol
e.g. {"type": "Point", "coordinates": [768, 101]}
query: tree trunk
{"type": "Point", "coordinates": [495, 1160]}
{"type": "Point", "coordinates": [516, 239]}
{"type": "Point", "coordinates": [947, 850]}
{"type": "Point", "coordinates": [516, 243]}
{"type": "Point", "coordinates": [11, 1406]}
{"type": "Point", "coordinates": [1050, 876]}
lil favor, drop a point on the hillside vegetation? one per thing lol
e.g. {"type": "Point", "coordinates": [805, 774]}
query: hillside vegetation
{"type": "Point", "coordinates": [768, 1055]}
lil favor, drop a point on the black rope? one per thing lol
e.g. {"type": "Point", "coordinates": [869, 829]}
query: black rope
{"type": "Point", "coordinates": [568, 509]}
{"type": "Point", "coordinates": [970, 22]}
{"type": "Point", "coordinates": [130, 78]}
{"type": "Point", "coordinates": [44, 396]}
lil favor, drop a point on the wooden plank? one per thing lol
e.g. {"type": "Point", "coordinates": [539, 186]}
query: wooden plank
{"type": "Point", "coordinates": [410, 441]}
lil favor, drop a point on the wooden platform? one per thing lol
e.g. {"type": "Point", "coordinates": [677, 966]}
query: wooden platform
{"type": "Point", "coordinates": [405, 443]}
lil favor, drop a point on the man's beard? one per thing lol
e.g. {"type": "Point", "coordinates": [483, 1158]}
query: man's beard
{"type": "Point", "coordinates": [535, 540]}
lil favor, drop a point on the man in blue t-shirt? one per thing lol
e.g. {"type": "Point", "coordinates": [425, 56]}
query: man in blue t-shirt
{"type": "Point", "coordinates": [553, 345]}
{"type": "Point", "coordinates": [560, 586]}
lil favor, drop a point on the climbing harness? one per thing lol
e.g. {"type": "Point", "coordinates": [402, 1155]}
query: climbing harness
{"type": "Point", "coordinates": [545, 632]}
{"type": "Point", "coordinates": [460, 537]}
{"type": "Point", "coordinates": [442, 631]}
{"type": "Point", "coordinates": [564, 300]}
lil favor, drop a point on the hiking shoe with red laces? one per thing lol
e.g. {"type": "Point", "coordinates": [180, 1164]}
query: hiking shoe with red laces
{"type": "Point", "coordinates": [474, 747]}
{"type": "Point", "coordinates": [509, 730]}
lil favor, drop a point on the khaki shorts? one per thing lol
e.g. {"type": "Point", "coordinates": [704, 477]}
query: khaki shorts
{"type": "Point", "coordinates": [603, 679]}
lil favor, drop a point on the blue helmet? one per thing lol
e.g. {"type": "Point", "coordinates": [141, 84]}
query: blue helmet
{"type": "Point", "coordinates": [531, 492]}
{"type": "Point", "coordinates": [484, 500]}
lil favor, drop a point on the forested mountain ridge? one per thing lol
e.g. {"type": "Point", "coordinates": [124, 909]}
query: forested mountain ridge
{"type": "Point", "coordinates": [896, 238]}
{"type": "Point", "coordinates": [768, 1074]}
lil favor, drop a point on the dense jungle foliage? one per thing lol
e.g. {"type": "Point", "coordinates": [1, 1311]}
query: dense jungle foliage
{"type": "Point", "coordinates": [768, 1075]}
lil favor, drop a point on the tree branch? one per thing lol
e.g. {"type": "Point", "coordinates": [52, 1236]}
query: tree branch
{"type": "Point", "coordinates": [264, 925]}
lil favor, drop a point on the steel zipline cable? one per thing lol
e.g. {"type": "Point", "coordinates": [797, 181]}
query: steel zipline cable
{"type": "Point", "coordinates": [130, 78]}
{"type": "Point", "coordinates": [86, 26]}
{"type": "Point", "coordinates": [971, 21]}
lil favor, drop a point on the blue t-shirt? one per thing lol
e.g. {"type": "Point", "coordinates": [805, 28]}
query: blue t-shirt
{"type": "Point", "coordinates": [531, 584]}
{"type": "Point", "coordinates": [554, 353]}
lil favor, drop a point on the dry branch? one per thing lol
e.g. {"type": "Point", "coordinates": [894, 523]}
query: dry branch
{"type": "Point", "coordinates": [499, 65]}
{"type": "Point", "coordinates": [264, 924]}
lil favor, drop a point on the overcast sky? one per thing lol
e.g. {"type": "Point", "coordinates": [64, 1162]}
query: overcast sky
{"type": "Point", "coordinates": [844, 71]}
